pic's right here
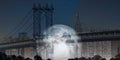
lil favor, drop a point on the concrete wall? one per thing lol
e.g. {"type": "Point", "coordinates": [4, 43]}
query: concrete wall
{"type": "Point", "coordinates": [106, 49]}
{"type": "Point", "coordinates": [26, 52]}
{"type": "Point", "coordinates": [102, 48]}
{"type": "Point", "coordinates": [115, 46]}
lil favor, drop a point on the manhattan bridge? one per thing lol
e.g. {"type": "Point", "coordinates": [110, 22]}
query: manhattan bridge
{"type": "Point", "coordinates": [30, 42]}
{"type": "Point", "coordinates": [32, 22]}
{"type": "Point", "coordinates": [37, 20]}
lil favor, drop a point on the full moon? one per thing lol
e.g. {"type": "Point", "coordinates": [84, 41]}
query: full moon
{"type": "Point", "coordinates": [57, 38]}
{"type": "Point", "coordinates": [60, 33]}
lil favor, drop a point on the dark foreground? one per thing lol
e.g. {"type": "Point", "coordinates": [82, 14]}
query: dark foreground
{"type": "Point", "coordinates": [3, 56]}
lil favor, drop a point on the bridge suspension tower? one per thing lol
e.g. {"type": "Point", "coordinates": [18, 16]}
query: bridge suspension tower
{"type": "Point", "coordinates": [38, 11]}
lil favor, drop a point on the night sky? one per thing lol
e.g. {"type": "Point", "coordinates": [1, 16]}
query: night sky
{"type": "Point", "coordinates": [100, 14]}
{"type": "Point", "coordinates": [94, 14]}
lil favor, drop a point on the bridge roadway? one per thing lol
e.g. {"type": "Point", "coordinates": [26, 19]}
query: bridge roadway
{"type": "Point", "coordinates": [18, 44]}
{"type": "Point", "coordinates": [32, 43]}
{"type": "Point", "coordinates": [85, 37]}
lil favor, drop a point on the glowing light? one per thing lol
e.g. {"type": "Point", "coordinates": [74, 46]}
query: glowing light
{"type": "Point", "coordinates": [61, 51]}
{"type": "Point", "coordinates": [59, 33]}
{"type": "Point", "coordinates": [56, 38]}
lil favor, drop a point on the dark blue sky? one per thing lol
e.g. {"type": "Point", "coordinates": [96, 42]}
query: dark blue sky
{"type": "Point", "coordinates": [100, 14]}
{"type": "Point", "coordinates": [12, 12]}
{"type": "Point", "coordinates": [94, 14]}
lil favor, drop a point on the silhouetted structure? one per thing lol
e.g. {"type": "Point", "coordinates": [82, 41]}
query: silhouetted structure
{"type": "Point", "coordinates": [38, 11]}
